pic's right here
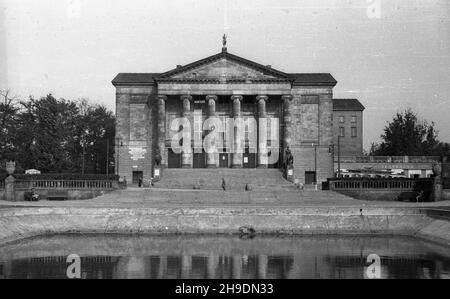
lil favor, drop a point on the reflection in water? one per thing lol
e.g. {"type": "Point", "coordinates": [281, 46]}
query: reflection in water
{"type": "Point", "coordinates": [223, 257]}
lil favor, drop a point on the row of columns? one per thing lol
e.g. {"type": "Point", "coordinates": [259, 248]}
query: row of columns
{"type": "Point", "coordinates": [237, 158]}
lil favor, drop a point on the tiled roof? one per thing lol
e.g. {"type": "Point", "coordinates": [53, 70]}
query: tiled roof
{"type": "Point", "coordinates": [347, 105]}
{"type": "Point", "coordinates": [313, 79]}
{"type": "Point", "coordinates": [134, 78]}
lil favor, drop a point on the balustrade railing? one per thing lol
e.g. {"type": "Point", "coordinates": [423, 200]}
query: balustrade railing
{"type": "Point", "coordinates": [371, 184]}
{"type": "Point", "coordinates": [388, 159]}
{"type": "Point", "coordinates": [66, 184]}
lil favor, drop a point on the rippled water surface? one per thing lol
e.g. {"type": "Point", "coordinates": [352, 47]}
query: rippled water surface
{"type": "Point", "coordinates": [197, 257]}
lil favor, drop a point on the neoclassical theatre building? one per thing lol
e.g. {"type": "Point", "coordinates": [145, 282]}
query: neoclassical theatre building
{"type": "Point", "coordinates": [226, 86]}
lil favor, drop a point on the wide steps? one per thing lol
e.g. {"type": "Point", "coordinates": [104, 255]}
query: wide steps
{"type": "Point", "coordinates": [211, 179]}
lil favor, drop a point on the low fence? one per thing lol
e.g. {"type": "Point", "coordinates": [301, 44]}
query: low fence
{"type": "Point", "coordinates": [388, 159]}
{"type": "Point", "coordinates": [63, 184]}
{"type": "Point", "coordinates": [370, 184]}
{"type": "Point", "coordinates": [67, 184]}
{"type": "Point", "coordinates": [384, 188]}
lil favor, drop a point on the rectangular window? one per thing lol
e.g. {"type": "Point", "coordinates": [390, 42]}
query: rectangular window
{"type": "Point", "coordinates": [342, 119]}
{"type": "Point", "coordinates": [341, 131]}
{"type": "Point", "coordinates": [353, 131]}
{"type": "Point", "coordinates": [353, 119]}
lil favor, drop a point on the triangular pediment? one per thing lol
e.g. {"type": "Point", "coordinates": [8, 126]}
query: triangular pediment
{"type": "Point", "coordinates": [224, 66]}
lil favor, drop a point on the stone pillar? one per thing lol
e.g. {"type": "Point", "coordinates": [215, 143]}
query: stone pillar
{"type": "Point", "coordinates": [162, 128]}
{"type": "Point", "coordinates": [211, 157]}
{"type": "Point", "coordinates": [10, 181]}
{"type": "Point", "coordinates": [287, 136]}
{"type": "Point", "coordinates": [437, 182]}
{"type": "Point", "coordinates": [287, 120]}
{"type": "Point", "coordinates": [262, 131]}
{"type": "Point", "coordinates": [186, 157]}
{"type": "Point", "coordinates": [237, 156]}
{"type": "Point", "coordinates": [9, 188]}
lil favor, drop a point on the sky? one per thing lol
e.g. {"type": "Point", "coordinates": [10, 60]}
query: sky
{"type": "Point", "coordinates": [390, 54]}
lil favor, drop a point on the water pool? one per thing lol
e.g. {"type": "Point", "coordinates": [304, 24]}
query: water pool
{"type": "Point", "coordinates": [227, 256]}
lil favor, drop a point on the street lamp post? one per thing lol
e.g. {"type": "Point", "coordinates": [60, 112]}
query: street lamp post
{"type": "Point", "coordinates": [339, 156]}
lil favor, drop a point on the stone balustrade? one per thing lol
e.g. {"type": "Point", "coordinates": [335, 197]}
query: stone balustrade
{"type": "Point", "coordinates": [388, 159]}
{"type": "Point", "coordinates": [371, 184]}
{"type": "Point", "coordinates": [67, 184]}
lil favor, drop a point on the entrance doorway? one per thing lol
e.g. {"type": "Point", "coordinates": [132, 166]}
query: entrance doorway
{"type": "Point", "coordinates": [249, 159]}
{"type": "Point", "coordinates": [136, 176]}
{"type": "Point", "coordinates": [174, 160]}
{"type": "Point", "coordinates": [199, 160]}
{"type": "Point", "coordinates": [223, 160]}
{"type": "Point", "coordinates": [310, 177]}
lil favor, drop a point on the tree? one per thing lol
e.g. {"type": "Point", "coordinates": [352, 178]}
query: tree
{"type": "Point", "coordinates": [56, 135]}
{"type": "Point", "coordinates": [8, 118]}
{"type": "Point", "coordinates": [405, 135]}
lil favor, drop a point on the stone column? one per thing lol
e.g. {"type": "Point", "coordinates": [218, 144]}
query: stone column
{"type": "Point", "coordinates": [237, 156]}
{"type": "Point", "coordinates": [10, 182]}
{"type": "Point", "coordinates": [186, 157]}
{"type": "Point", "coordinates": [287, 137]}
{"type": "Point", "coordinates": [287, 119]}
{"type": "Point", "coordinates": [262, 131]}
{"type": "Point", "coordinates": [162, 128]}
{"type": "Point", "coordinates": [9, 188]}
{"type": "Point", "coordinates": [437, 182]}
{"type": "Point", "coordinates": [211, 157]}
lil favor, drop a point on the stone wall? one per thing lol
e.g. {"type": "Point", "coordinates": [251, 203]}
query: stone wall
{"type": "Point", "coordinates": [135, 109]}
{"type": "Point", "coordinates": [18, 223]}
{"type": "Point", "coordinates": [312, 111]}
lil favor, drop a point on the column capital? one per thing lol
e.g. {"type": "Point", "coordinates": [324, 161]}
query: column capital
{"type": "Point", "coordinates": [287, 97]}
{"type": "Point", "coordinates": [236, 97]}
{"type": "Point", "coordinates": [186, 97]}
{"type": "Point", "coordinates": [262, 98]}
{"type": "Point", "coordinates": [211, 97]}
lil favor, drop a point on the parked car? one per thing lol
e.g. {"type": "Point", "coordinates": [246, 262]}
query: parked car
{"type": "Point", "coordinates": [32, 171]}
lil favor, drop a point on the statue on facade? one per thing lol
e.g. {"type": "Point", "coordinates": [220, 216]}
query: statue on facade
{"type": "Point", "coordinates": [289, 158]}
{"type": "Point", "coordinates": [158, 158]}
{"type": "Point", "coordinates": [224, 40]}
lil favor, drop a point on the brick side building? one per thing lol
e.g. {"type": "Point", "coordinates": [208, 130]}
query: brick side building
{"type": "Point", "coordinates": [225, 86]}
{"type": "Point", "coordinates": [348, 126]}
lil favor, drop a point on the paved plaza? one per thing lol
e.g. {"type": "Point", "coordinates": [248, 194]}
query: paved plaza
{"type": "Point", "coordinates": [153, 197]}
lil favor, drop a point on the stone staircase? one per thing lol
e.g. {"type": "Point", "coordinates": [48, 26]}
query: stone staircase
{"type": "Point", "coordinates": [211, 179]}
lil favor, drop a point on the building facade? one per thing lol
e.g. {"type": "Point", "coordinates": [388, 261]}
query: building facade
{"type": "Point", "coordinates": [298, 108]}
{"type": "Point", "coordinates": [348, 126]}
